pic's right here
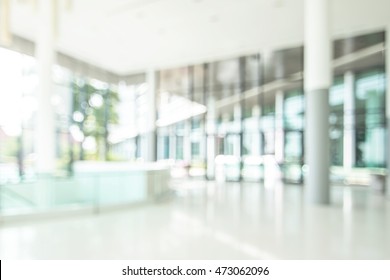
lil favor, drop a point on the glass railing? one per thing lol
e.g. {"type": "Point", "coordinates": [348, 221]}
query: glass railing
{"type": "Point", "coordinates": [92, 191]}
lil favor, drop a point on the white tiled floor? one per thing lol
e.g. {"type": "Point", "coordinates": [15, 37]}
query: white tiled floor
{"type": "Point", "coordinates": [208, 220]}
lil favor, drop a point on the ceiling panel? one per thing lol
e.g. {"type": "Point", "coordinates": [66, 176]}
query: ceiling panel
{"type": "Point", "coordinates": [128, 36]}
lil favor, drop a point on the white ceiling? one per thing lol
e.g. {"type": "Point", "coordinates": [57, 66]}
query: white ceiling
{"type": "Point", "coordinates": [128, 36]}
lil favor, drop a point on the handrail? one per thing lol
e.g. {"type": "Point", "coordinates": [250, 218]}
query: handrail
{"type": "Point", "coordinates": [16, 195]}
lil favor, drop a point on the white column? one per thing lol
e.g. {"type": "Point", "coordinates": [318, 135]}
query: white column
{"type": "Point", "coordinates": [256, 114]}
{"type": "Point", "coordinates": [5, 26]}
{"type": "Point", "coordinates": [279, 132]}
{"type": "Point", "coordinates": [151, 116]}
{"type": "Point", "coordinates": [317, 82]}
{"type": "Point", "coordinates": [172, 142]}
{"type": "Point", "coordinates": [349, 121]}
{"type": "Point", "coordinates": [387, 69]}
{"type": "Point", "coordinates": [187, 141]}
{"type": "Point", "coordinates": [45, 130]}
{"type": "Point", "coordinates": [237, 115]}
{"type": "Point", "coordinates": [211, 129]}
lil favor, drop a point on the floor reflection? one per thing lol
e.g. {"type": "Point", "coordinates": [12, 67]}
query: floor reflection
{"type": "Point", "coordinates": [216, 220]}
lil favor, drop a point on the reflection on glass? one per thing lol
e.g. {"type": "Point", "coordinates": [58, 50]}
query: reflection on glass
{"type": "Point", "coordinates": [336, 121]}
{"type": "Point", "coordinates": [293, 110]}
{"type": "Point", "coordinates": [370, 108]}
{"type": "Point", "coordinates": [293, 122]}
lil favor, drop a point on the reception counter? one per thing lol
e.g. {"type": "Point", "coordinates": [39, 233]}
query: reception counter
{"type": "Point", "coordinates": [123, 182]}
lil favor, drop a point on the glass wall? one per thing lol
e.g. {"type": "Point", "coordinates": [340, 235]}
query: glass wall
{"type": "Point", "coordinates": [224, 119]}
{"type": "Point", "coordinates": [293, 120]}
{"type": "Point", "coordinates": [11, 120]}
{"type": "Point", "coordinates": [18, 107]}
{"type": "Point", "coordinates": [123, 128]}
{"type": "Point", "coordinates": [254, 113]}
{"type": "Point", "coordinates": [370, 118]}
{"type": "Point", "coordinates": [336, 121]}
{"type": "Point", "coordinates": [85, 111]}
{"type": "Point", "coordinates": [94, 117]}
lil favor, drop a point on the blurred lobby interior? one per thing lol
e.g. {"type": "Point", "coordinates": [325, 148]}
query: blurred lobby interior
{"type": "Point", "coordinates": [194, 129]}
